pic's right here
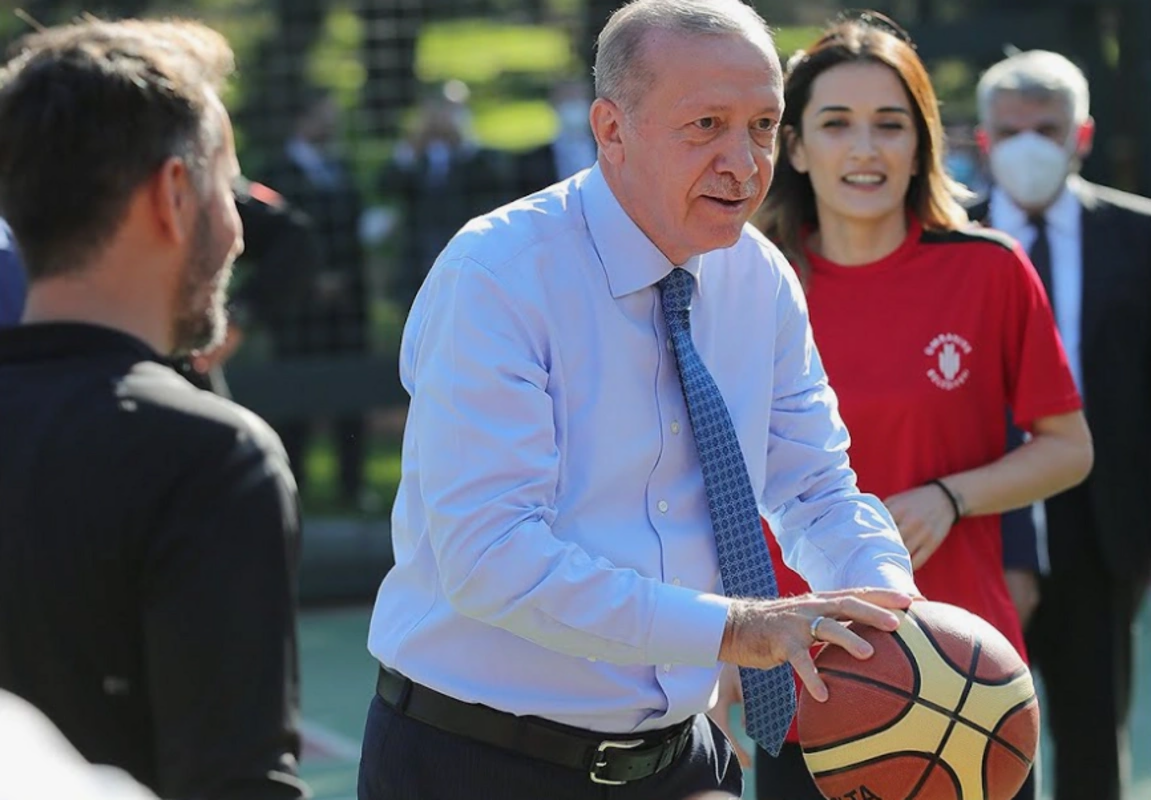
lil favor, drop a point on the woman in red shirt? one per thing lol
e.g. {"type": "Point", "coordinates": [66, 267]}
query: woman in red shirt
{"type": "Point", "coordinates": [929, 331]}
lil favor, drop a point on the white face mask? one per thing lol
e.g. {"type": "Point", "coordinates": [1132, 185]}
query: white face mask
{"type": "Point", "coordinates": [1030, 168]}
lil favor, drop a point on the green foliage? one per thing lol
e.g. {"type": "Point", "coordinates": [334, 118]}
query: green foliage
{"type": "Point", "coordinates": [478, 51]}
{"type": "Point", "coordinates": [336, 62]}
{"type": "Point", "coordinates": [954, 82]}
{"type": "Point", "coordinates": [788, 39]}
{"type": "Point", "coordinates": [321, 493]}
{"type": "Point", "coordinates": [508, 124]}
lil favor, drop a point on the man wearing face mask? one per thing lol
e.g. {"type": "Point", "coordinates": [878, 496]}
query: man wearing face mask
{"type": "Point", "coordinates": [573, 147]}
{"type": "Point", "coordinates": [439, 177]}
{"type": "Point", "coordinates": [1092, 247]}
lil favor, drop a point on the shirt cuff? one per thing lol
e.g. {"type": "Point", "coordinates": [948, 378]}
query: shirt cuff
{"type": "Point", "coordinates": [688, 627]}
{"type": "Point", "coordinates": [893, 576]}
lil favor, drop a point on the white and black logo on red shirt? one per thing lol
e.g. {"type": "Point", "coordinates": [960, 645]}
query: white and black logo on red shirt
{"type": "Point", "coordinates": [948, 355]}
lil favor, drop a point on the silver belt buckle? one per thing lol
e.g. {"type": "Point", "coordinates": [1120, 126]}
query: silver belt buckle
{"type": "Point", "coordinates": [601, 759]}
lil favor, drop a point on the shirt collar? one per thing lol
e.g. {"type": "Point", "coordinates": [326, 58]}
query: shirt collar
{"type": "Point", "coordinates": [43, 341]}
{"type": "Point", "coordinates": [1062, 215]}
{"type": "Point", "coordinates": [630, 259]}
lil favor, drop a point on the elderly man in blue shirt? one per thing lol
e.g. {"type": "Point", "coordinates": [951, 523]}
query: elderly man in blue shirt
{"type": "Point", "coordinates": [610, 380]}
{"type": "Point", "coordinates": [13, 285]}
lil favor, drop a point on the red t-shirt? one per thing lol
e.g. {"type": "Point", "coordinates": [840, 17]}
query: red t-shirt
{"type": "Point", "coordinates": [926, 349]}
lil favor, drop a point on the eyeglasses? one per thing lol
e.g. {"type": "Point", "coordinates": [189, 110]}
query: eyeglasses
{"type": "Point", "coordinates": [877, 20]}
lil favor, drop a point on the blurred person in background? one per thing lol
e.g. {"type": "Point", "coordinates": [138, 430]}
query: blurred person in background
{"type": "Point", "coordinates": [928, 331]}
{"type": "Point", "coordinates": [273, 278]}
{"type": "Point", "coordinates": [330, 319]}
{"type": "Point", "coordinates": [439, 178]}
{"type": "Point", "coordinates": [573, 148]}
{"type": "Point", "coordinates": [963, 160]}
{"type": "Point", "coordinates": [13, 284]}
{"type": "Point", "coordinates": [150, 530]}
{"type": "Point", "coordinates": [1091, 246]}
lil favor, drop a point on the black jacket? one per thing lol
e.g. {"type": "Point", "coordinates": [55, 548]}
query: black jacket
{"type": "Point", "coordinates": [148, 547]}
{"type": "Point", "coordinates": [1115, 352]}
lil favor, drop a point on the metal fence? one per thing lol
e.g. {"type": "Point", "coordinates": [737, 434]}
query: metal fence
{"type": "Point", "coordinates": [390, 122]}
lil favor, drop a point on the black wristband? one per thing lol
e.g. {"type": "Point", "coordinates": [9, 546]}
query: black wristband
{"type": "Point", "coordinates": [951, 498]}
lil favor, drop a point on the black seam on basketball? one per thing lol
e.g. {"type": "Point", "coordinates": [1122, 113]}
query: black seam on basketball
{"type": "Point", "coordinates": [915, 684]}
{"type": "Point", "coordinates": [983, 766]}
{"type": "Point", "coordinates": [942, 654]}
{"type": "Point", "coordinates": [866, 734]}
{"type": "Point", "coordinates": [896, 754]}
{"type": "Point", "coordinates": [997, 739]}
{"type": "Point", "coordinates": [895, 690]}
{"type": "Point", "coordinates": [947, 770]}
{"type": "Point", "coordinates": [943, 740]}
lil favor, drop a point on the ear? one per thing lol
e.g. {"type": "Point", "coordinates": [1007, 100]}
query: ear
{"type": "Point", "coordinates": [607, 120]}
{"type": "Point", "coordinates": [796, 152]}
{"type": "Point", "coordinates": [174, 201]}
{"type": "Point", "coordinates": [1085, 138]}
{"type": "Point", "coordinates": [983, 139]}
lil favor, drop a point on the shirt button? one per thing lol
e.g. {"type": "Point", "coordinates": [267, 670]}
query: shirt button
{"type": "Point", "coordinates": [667, 667]}
{"type": "Point", "coordinates": [676, 581]}
{"type": "Point", "coordinates": [662, 506]}
{"type": "Point", "coordinates": [670, 344]}
{"type": "Point", "coordinates": [675, 427]}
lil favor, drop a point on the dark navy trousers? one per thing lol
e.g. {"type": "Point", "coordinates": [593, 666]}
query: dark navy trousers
{"type": "Point", "coordinates": [404, 759]}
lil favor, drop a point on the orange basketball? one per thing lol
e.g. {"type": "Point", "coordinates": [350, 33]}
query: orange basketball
{"type": "Point", "coordinates": [944, 710]}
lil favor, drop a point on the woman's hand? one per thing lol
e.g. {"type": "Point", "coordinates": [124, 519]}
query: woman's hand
{"type": "Point", "coordinates": [924, 516]}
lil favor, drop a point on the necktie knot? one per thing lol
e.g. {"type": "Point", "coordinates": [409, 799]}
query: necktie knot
{"type": "Point", "coordinates": [675, 291]}
{"type": "Point", "coordinates": [1038, 222]}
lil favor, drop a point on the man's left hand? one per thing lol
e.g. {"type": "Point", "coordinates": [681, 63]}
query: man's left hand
{"type": "Point", "coordinates": [924, 516]}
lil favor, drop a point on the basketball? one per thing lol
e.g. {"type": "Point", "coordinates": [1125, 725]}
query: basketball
{"type": "Point", "coordinates": [945, 709]}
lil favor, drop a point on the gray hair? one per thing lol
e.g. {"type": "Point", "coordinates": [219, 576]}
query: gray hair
{"type": "Point", "coordinates": [620, 75]}
{"type": "Point", "coordinates": [1038, 74]}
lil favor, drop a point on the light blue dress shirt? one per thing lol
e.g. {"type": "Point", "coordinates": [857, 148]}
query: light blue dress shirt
{"type": "Point", "coordinates": [554, 552]}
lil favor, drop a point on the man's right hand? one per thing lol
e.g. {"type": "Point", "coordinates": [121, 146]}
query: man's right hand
{"type": "Point", "coordinates": [766, 633]}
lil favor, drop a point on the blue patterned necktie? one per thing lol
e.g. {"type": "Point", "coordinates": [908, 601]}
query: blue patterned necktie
{"type": "Point", "coordinates": [744, 560]}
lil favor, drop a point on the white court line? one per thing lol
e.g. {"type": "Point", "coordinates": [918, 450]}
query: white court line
{"type": "Point", "coordinates": [332, 744]}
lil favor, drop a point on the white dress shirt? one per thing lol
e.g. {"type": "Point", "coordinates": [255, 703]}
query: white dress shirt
{"type": "Point", "coordinates": [1064, 220]}
{"type": "Point", "coordinates": [554, 550]}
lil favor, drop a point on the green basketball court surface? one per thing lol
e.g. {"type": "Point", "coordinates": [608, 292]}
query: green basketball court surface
{"type": "Point", "coordinates": [339, 679]}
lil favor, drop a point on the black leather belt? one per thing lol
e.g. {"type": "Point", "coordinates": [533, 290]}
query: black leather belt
{"type": "Point", "coordinates": [615, 760]}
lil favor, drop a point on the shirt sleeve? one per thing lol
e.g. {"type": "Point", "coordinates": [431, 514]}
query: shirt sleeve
{"type": "Point", "coordinates": [1038, 375]}
{"type": "Point", "coordinates": [220, 631]}
{"type": "Point", "coordinates": [488, 465]}
{"type": "Point", "coordinates": [828, 531]}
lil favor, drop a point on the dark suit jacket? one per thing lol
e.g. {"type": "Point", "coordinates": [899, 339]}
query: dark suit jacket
{"type": "Point", "coordinates": [476, 181]}
{"type": "Point", "coordinates": [1115, 351]}
{"type": "Point", "coordinates": [536, 169]}
{"type": "Point", "coordinates": [335, 324]}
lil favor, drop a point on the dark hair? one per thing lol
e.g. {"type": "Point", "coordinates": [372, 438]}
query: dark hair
{"type": "Point", "coordinates": [88, 113]}
{"type": "Point", "coordinates": [869, 38]}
